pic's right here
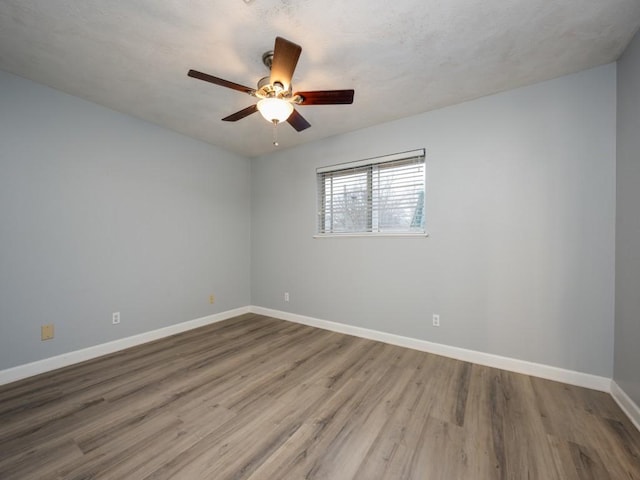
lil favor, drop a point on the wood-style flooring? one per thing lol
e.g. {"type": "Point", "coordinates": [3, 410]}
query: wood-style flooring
{"type": "Point", "coordinates": [263, 399]}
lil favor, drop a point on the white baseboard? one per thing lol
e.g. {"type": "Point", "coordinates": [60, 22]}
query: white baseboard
{"type": "Point", "coordinates": [77, 356]}
{"type": "Point", "coordinates": [520, 366]}
{"type": "Point", "coordinates": [571, 377]}
{"type": "Point", "coordinates": [628, 406]}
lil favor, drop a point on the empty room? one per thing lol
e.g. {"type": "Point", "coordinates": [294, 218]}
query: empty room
{"type": "Point", "coordinates": [284, 239]}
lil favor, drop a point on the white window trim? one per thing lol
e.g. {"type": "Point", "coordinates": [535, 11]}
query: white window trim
{"type": "Point", "coordinates": [420, 152]}
{"type": "Point", "coordinates": [370, 234]}
{"type": "Point", "coordinates": [367, 162]}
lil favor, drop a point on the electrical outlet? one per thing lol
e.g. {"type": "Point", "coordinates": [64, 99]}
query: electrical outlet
{"type": "Point", "coordinates": [46, 332]}
{"type": "Point", "coordinates": [115, 318]}
{"type": "Point", "coordinates": [436, 320]}
{"type": "Point", "coordinates": [212, 299]}
{"type": "Point", "coordinates": [286, 296]}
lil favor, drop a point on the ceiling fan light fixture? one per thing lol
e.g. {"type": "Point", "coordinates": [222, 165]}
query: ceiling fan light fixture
{"type": "Point", "coordinates": [275, 109]}
{"type": "Point", "coordinates": [275, 95]}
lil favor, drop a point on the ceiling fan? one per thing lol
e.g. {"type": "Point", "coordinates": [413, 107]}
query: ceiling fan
{"type": "Point", "coordinates": [277, 102]}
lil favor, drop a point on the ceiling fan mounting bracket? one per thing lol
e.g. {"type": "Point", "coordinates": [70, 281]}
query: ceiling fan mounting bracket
{"type": "Point", "coordinates": [267, 59]}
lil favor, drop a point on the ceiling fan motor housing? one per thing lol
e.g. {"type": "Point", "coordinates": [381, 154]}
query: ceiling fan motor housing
{"type": "Point", "coordinates": [267, 90]}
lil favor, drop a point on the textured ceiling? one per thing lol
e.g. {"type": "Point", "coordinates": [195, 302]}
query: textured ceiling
{"type": "Point", "coordinates": [402, 57]}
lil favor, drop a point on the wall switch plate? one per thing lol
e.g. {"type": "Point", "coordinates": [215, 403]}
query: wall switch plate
{"type": "Point", "coordinates": [46, 332]}
{"type": "Point", "coordinates": [212, 299]}
{"type": "Point", "coordinates": [115, 318]}
{"type": "Point", "coordinates": [286, 296]}
{"type": "Point", "coordinates": [436, 320]}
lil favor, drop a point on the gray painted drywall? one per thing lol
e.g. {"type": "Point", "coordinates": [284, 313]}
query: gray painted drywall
{"type": "Point", "coordinates": [521, 215]}
{"type": "Point", "coordinates": [627, 317]}
{"type": "Point", "coordinates": [101, 212]}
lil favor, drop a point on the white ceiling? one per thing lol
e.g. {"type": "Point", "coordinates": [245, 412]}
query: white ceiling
{"type": "Point", "coordinates": [402, 57]}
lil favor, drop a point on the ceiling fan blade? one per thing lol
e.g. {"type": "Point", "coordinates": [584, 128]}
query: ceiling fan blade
{"type": "Point", "coordinates": [219, 81]}
{"type": "Point", "coordinates": [326, 97]}
{"type": "Point", "coordinates": [245, 112]}
{"type": "Point", "coordinates": [285, 59]}
{"type": "Point", "coordinates": [297, 121]}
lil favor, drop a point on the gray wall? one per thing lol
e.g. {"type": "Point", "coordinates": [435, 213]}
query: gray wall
{"type": "Point", "coordinates": [627, 326]}
{"type": "Point", "coordinates": [521, 213]}
{"type": "Point", "coordinates": [101, 212]}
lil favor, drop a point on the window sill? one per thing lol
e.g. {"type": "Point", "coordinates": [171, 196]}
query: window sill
{"type": "Point", "coordinates": [375, 234]}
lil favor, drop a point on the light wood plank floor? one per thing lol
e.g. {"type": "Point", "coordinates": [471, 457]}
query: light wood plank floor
{"type": "Point", "coordinates": [262, 399]}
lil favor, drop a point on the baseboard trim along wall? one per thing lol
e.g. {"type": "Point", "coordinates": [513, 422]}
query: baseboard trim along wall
{"type": "Point", "coordinates": [77, 356]}
{"type": "Point", "coordinates": [571, 377]}
{"type": "Point", "coordinates": [628, 406]}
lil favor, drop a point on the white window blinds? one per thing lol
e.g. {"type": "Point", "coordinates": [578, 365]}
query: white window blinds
{"type": "Point", "coordinates": [378, 195]}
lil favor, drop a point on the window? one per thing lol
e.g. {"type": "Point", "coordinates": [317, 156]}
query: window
{"type": "Point", "coordinates": [384, 195]}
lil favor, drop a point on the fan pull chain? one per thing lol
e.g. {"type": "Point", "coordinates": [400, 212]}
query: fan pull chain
{"type": "Point", "coordinates": [275, 133]}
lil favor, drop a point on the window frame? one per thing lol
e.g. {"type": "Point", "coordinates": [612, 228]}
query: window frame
{"type": "Point", "coordinates": [371, 167]}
